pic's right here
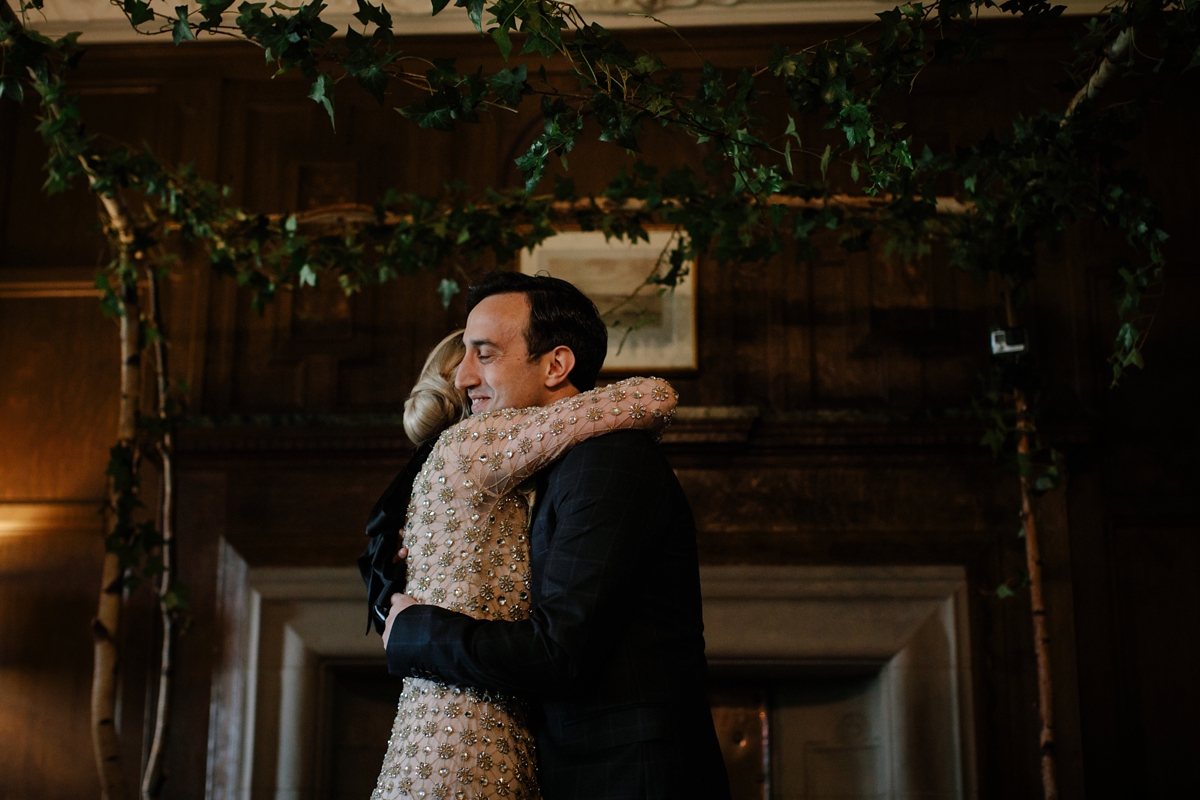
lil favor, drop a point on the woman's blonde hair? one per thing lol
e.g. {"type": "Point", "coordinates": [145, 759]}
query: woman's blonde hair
{"type": "Point", "coordinates": [435, 403]}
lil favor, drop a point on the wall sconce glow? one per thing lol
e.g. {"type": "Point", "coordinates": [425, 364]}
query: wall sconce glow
{"type": "Point", "coordinates": [21, 519]}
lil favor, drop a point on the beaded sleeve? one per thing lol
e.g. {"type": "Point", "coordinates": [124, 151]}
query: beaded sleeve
{"type": "Point", "coordinates": [495, 451]}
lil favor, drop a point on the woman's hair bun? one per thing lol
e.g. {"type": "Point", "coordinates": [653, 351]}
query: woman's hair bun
{"type": "Point", "coordinates": [435, 403]}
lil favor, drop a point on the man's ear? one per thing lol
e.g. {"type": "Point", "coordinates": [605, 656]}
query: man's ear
{"type": "Point", "coordinates": [557, 365]}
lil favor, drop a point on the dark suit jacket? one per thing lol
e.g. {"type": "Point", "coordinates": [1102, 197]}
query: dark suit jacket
{"type": "Point", "coordinates": [613, 652]}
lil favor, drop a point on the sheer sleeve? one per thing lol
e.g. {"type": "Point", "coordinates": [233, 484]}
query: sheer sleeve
{"type": "Point", "coordinates": [497, 450]}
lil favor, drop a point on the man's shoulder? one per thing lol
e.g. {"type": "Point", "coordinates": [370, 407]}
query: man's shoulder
{"type": "Point", "coordinates": [633, 454]}
{"type": "Point", "coordinates": [614, 444]}
{"type": "Point", "coordinates": [623, 450]}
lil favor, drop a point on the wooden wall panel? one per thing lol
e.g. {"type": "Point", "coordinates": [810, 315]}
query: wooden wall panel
{"type": "Point", "coordinates": [1158, 614]}
{"type": "Point", "coordinates": [48, 591]}
{"type": "Point", "coordinates": [58, 410]}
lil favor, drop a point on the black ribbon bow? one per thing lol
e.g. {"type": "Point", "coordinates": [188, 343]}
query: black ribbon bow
{"type": "Point", "coordinates": [383, 576]}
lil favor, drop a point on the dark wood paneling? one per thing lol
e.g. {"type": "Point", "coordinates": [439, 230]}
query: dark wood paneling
{"type": "Point", "coordinates": [59, 373]}
{"type": "Point", "coordinates": [847, 334]}
{"type": "Point", "coordinates": [1158, 617]}
{"type": "Point", "coordinates": [48, 589]}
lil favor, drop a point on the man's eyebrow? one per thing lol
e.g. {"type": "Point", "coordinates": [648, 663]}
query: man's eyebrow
{"type": "Point", "coordinates": [481, 342]}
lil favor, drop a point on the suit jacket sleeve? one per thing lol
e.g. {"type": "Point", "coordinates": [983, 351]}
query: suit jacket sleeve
{"type": "Point", "coordinates": [603, 530]}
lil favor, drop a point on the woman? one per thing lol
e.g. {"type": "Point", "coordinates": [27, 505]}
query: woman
{"type": "Point", "coordinates": [467, 539]}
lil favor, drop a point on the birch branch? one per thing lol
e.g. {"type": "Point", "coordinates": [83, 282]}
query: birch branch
{"type": "Point", "coordinates": [1103, 74]}
{"type": "Point", "coordinates": [153, 774]}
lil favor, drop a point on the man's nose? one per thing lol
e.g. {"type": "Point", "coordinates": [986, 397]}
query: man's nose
{"type": "Point", "coordinates": [464, 376]}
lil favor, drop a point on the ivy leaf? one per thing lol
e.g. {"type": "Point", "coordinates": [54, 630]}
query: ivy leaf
{"type": "Point", "coordinates": [434, 113]}
{"type": "Point", "coordinates": [1003, 592]}
{"type": "Point", "coordinates": [564, 188]}
{"type": "Point", "coordinates": [510, 84]}
{"type": "Point", "coordinates": [825, 160]}
{"type": "Point", "coordinates": [377, 14]}
{"type": "Point", "coordinates": [12, 88]}
{"type": "Point", "coordinates": [443, 73]}
{"type": "Point", "coordinates": [322, 92]}
{"type": "Point", "coordinates": [791, 131]}
{"type": "Point", "coordinates": [447, 289]}
{"type": "Point", "coordinates": [182, 32]}
{"type": "Point", "coordinates": [436, 118]}
{"type": "Point", "coordinates": [438, 5]}
{"type": "Point", "coordinates": [500, 37]}
{"type": "Point", "coordinates": [647, 64]}
{"type": "Point", "coordinates": [538, 44]}
{"type": "Point", "coordinates": [474, 11]}
{"type": "Point", "coordinates": [212, 10]}
{"type": "Point", "coordinates": [363, 64]}
{"type": "Point", "coordinates": [139, 12]}
{"type": "Point", "coordinates": [176, 599]}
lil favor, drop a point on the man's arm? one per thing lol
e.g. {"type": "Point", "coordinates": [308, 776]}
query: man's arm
{"type": "Point", "coordinates": [606, 525]}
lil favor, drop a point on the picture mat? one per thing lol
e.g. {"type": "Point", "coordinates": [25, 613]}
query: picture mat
{"type": "Point", "coordinates": [608, 272]}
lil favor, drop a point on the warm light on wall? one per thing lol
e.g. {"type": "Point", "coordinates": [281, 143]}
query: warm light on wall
{"type": "Point", "coordinates": [20, 519]}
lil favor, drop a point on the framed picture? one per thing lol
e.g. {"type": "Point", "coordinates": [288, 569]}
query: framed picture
{"type": "Point", "coordinates": [650, 327]}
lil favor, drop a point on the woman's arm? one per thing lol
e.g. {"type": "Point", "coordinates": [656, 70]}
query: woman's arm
{"type": "Point", "coordinates": [499, 449]}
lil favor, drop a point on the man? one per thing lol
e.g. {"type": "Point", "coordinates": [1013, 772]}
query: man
{"type": "Point", "coordinates": [612, 656]}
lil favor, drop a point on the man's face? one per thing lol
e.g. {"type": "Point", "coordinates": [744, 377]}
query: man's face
{"type": "Point", "coordinates": [496, 371]}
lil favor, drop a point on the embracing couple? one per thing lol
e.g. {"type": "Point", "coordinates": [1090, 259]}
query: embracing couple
{"type": "Point", "coordinates": [550, 635]}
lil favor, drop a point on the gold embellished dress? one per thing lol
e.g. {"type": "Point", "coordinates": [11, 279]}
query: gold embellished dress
{"type": "Point", "coordinates": [467, 538]}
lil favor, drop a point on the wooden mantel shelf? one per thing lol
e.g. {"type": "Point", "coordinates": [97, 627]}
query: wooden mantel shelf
{"type": "Point", "coordinates": [239, 433]}
{"type": "Point", "coordinates": [695, 427]}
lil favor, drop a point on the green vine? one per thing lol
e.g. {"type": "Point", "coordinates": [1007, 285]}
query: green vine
{"type": "Point", "coordinates": [1021, 188]}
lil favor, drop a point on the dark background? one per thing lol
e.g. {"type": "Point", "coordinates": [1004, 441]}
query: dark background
{"type": "Point", "coordinates": [842, 359]}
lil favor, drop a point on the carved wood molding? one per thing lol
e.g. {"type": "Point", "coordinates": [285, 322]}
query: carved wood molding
{"type": "Point", "coordinates": [712, 425]}
{"type": "Point", "coordinates": [694, 428]}
{"type": "Point", "coordinates": [48, 282]}
{"type": "Point", "coordinates": [103, 22]}
{"type": "Point", "coordinates": [693, 425]}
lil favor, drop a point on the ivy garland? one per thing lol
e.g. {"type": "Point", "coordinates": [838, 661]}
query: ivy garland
{"type": "Point", "coordinates": [1016, 191]}
{"type": "Point", "coordinates": [1020, 189]}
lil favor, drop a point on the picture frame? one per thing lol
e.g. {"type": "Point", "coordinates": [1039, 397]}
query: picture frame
{"type": "Point", "coordinates": [651, 328]}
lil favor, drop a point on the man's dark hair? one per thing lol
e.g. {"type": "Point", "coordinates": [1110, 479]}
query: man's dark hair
{"type": "Point", "coordinates": [559, 314]}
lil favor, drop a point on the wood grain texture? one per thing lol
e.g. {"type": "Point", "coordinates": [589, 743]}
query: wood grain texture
{"type": "Point", "coordinates": [58, 410]}
{"type": "Point", "coordinates": [47, 597]}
